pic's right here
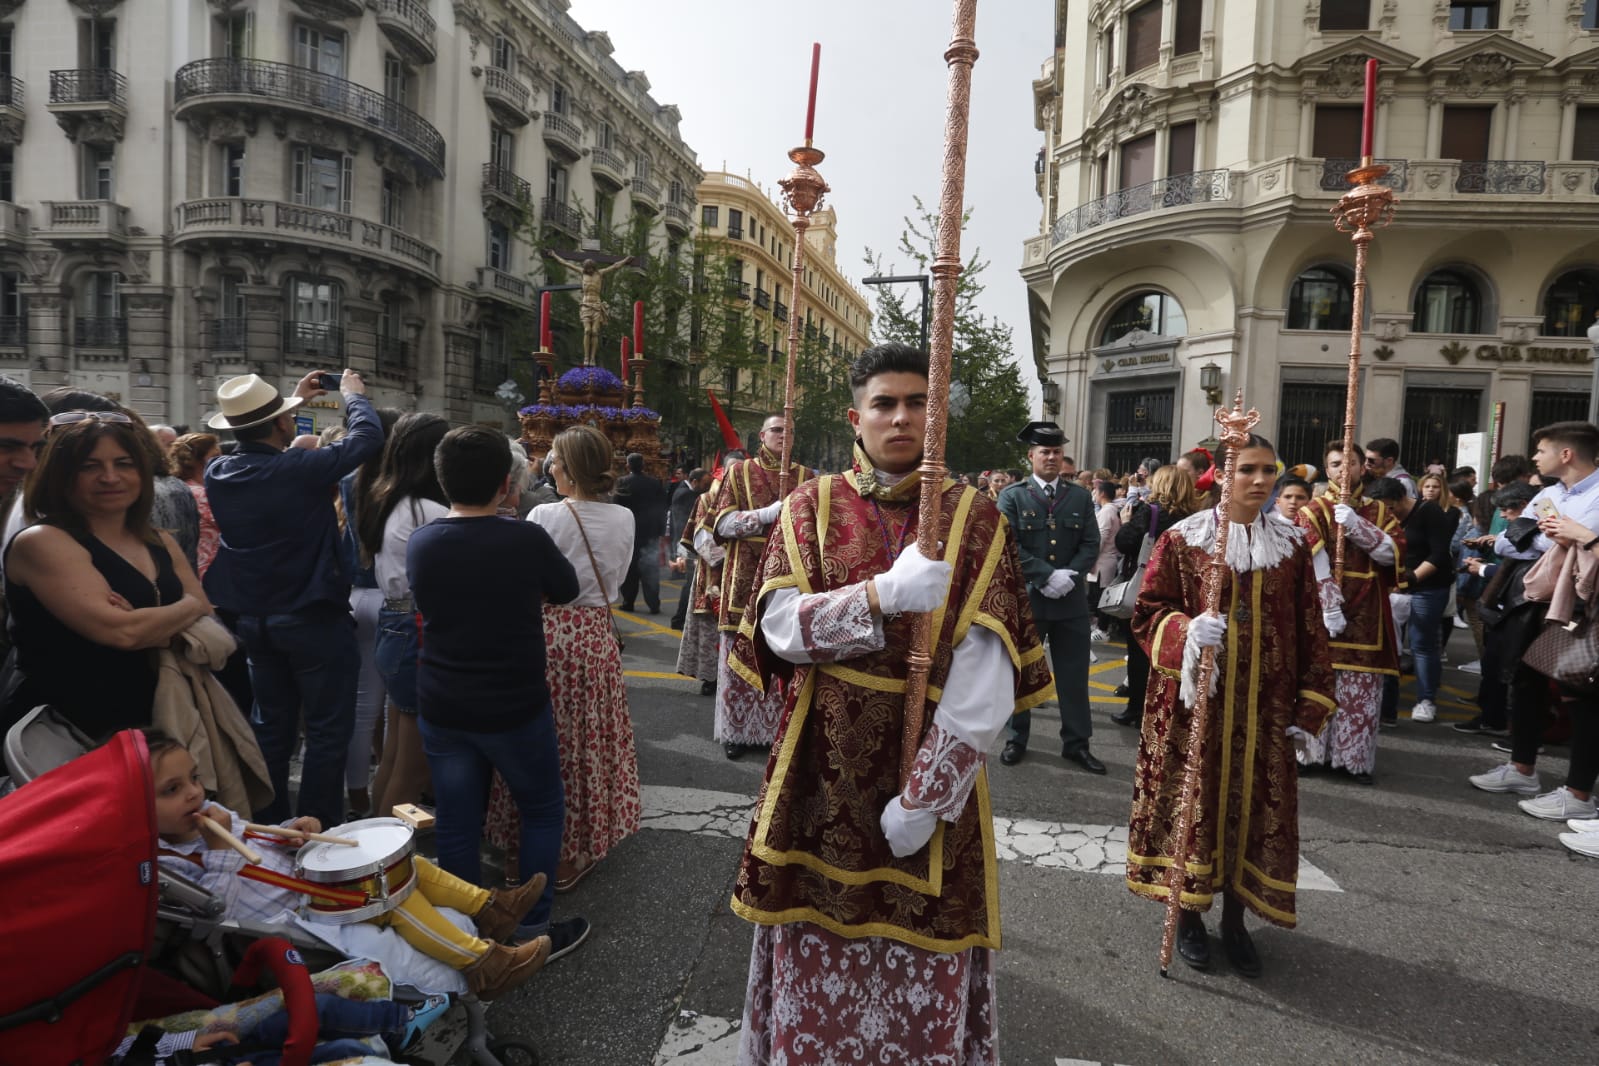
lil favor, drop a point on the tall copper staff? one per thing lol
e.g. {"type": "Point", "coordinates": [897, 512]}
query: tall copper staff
{"type": "Point", "coordinates": [802, 192]}
{"type": "Point", "coordinates": [960, 56]}
{"type": "Point", "coordinates": [1360, 211]}
{"type": "Point", "coordinates": [1235, 426]}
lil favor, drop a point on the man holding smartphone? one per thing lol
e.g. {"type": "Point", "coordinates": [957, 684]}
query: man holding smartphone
{"type": "Point", "coordinates": [280, 578]}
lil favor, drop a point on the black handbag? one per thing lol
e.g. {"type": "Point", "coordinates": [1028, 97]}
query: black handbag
{"type": "Point", "coordinates": [1567, 653]}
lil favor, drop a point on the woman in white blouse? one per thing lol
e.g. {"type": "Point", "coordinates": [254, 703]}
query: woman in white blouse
{"type": "Point", "coordinates": [599, 765]}
{"type": "Point", "coordinates": [405, 496]}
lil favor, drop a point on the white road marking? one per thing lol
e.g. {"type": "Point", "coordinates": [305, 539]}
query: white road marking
{"type": "Point", "coordinates": [1100, 849]}
{"type": "Point", "coordinates": [699, 1039]}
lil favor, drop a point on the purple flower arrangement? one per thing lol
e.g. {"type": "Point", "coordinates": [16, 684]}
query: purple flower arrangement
{"type": "Point", "coordinates": [590, 379]}
{"type": "Point", "coordinates": [581, 412]}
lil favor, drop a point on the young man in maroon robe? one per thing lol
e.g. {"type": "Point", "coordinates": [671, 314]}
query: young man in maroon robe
{"type": "Point", "coordinates": [1271, 690]}
{"type": "Point", "coordinates": [876, 908]}
{"type": "Point", "coordinates": [741, 517]}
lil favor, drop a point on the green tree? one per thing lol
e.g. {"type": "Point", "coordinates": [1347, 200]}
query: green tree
{"type": "Point", "coordinates": [988, 403]}
{"type": "Point", "coordinates": [822, 436]}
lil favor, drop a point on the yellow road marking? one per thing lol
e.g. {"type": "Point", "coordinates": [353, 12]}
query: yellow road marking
{"type": "Point", "coordinates": [655, 675]}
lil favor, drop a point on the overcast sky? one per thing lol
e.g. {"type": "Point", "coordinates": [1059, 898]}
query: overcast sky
{"type": "Point", "coordinates": [738, 73]}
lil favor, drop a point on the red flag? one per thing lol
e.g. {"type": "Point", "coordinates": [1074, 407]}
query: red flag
{"type": "Point", "coordinates": [729, 435]}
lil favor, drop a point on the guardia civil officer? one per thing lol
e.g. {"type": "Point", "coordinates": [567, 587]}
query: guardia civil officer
{"type": "Point", "coordinates": [1058, 540]}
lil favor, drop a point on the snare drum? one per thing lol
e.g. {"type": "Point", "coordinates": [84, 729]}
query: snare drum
{"type": "Point", "coordinates": [379, 867]}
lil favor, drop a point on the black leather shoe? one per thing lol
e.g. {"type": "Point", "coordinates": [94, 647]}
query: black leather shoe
{"type": "Point", "coordinates": [1013, 753]}
{"type": "Point", "coordinates": [732, 750]}
{"type": "Point", "coordinates": [1241, 953]}
{"type": "Point", "coordinates": [1193, 943]}
{"type": "Point", "coordinates": [1128, 719]}
{"type": "Point", "coordinates": [1084, 758]}
{"type": "Point", "coordinates": [707, 688]}
{"type": "Point", "coordinates": [1121, 690]}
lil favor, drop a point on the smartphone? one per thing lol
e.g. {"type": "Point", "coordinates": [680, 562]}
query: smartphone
{"type": "Point", "coordinates": [329, 382]}
{"type": "Point", "coordinates": [1546, 509]}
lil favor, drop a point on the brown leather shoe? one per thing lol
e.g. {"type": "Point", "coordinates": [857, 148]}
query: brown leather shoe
{"type": "Point", "coordinates": [503, 968]}
{"type": "Point", "coordinates": [506, 908]}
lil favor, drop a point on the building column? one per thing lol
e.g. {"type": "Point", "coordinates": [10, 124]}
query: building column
{"type": "Point", "coordinates": [1162, 150]}
{"type": "Point", "coordinates": [1168, 31]}
{"type": "Point", "coordinates": [1512, 105]}
{"type": "Point", "coordinates": [1496, 131]}
{"type": "Point", "coordinates": [1202, 139]}
{"type": "Point", "coordinates": [460, 366]}
{"type": "Point", "coordinates": [48, 309]}
{"type": "Point", "coordinates": [149, 314]}
{"type": "Point", "coordinates": [1307, 123]}
{"type": "Point", "coordinates": [263, 329]}
{"type": "Point", "coordinates": [1435, 123]}
{"type": "Point", "coordinates": [1385, 97]}
{"type": "Point", "coordinates": [1568, 122]}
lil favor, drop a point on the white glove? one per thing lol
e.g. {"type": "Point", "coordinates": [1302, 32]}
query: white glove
{"type": "Point", "coordinates": [914, 583]}
{"type": "Point", "coordinates": [1342, 513]}
{"type": "Point", "coordinates": [1300, 738]}
{"type": "Point", "coordinates": [1207, 630]}
{"type": "Point", "coordinates": [769, 513]}
{"type": "Point", "coordinates": [1334, 619]}
{"type": "Point", "coordinates": [1060, 583]}
{"type": "Point", "coordinates": [908, 831]}
{"type": "Point", "coordinates": [1400, 603]}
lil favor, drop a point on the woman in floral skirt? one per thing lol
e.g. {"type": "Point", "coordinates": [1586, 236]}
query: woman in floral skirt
{"type": "Point", "coordinates": [599, 765]}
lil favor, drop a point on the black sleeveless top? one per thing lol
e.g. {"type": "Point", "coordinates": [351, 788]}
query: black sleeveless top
{"type": "Point", "coordinates": [99, 689]}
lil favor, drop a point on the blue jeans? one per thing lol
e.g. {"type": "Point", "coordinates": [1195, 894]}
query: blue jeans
{"type": "Point", "coordinates": [646, 571]}
{"type": "Point", "coordinates": [395, 654]}
{"type": "Point", "coordinates": [463, 764]}
{"type": "Point", "coordinates": [303, 663]}
{"type": "Point", "coordinates": [1426, 609]}
{"type": "Point", "coordinates": [339, 1022]}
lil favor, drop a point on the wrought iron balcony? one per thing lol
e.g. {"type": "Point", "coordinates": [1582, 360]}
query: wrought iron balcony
{"type": "Point", "coordinates": [735, 233]}
{"type": "Point", "coordinates": [331, 10]}
{"type": "Point", "coordinates": [90, 85]}
{"type": "Point", "coordinates": [225, 83]}
{"type": "Point", "coordinates": [503, 182]}
{"type": "Point", "coordinates": [810, 332]}
{"type": "Point", "coordinates": [498, 284]}
{"type": "Point", "coordinates": [739, 290]}
{"type": "Point", "coordinates": [78, 222]}
{"type": "Point", "coordinates": [763, 298]}
{"type": "Point", "coordinates": [230, 219]}
{"type": "Point", "coordinates": [1181, 190]}
{"type": "Point", "coordinates": [393, 356]}
{"type": "Point", "coordinates": [313, 341]}
{"type": "Point", "coordinates": [100, 331]}
{"type": "Point", "coordinates": [13, 224]}
{"type": "Point", "coordinates": [227, 334]}
{"type": "Point", "coordinates": [761, 348]}
{"type": "Point", "coordinates": [1523, 177]}
{"type": "Point", "coordinates": [13, 331]}
{"type": "Point", "coordinates": [12, 110]}
{"type": "Point", "coordinates": [489, 370]}
{"type": "Point", "coordinates": [607, 164]}
{"type": "Point", "coordinates": [780, 310]}
{"type": "Point", "coordinates": [408, 24]}
{"type": "Point", "coordinates": [563, 135]}
{"type": "Point", "coordinates": [677, 218]}
{"type": "Point", "coordinates": [646, 194]}
{"type": "Point", "coordinates": [1334, 173]}
{"type": "Point", "coordinates": [506, 96]}
{"type": "Point", "coordinates": [562, 216]}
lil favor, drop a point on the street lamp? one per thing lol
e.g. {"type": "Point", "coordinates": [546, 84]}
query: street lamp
{"type": "Point", "coordinates": [905, 279]}
{"type": "Point", "coordinates": [1210, 382]}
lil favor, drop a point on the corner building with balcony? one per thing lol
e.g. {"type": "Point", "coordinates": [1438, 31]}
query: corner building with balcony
{"type": "Point", "coordinates": [758, 241]}
{"type": "Point", "coordinates": [193, 189]}
{"type": "Point", "coordinates": [1192, 152]}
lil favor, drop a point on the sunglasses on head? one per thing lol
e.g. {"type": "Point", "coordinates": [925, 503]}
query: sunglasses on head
{"type": "Point", "coordinates": [68, 418]}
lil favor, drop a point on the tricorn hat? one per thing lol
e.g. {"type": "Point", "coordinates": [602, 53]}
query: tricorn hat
{"type": "Point", "coordinates": [248, 401]}
{"type": "Point", "coordinates": [1042, 435]}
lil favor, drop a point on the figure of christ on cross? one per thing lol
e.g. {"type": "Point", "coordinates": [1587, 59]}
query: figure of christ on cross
{"type": "Point", "coordinates": [591, 309]}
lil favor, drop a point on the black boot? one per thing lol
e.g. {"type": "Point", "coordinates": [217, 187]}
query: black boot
{"type": "Point", "coordinates": [1193, 942]}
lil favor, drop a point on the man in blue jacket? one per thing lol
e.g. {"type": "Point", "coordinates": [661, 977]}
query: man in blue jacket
{"type": "Point", "coordinates": [280, 576]}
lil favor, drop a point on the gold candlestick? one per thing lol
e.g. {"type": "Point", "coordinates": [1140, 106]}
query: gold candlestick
{"type": "Point", "coordinates": [803, 191]}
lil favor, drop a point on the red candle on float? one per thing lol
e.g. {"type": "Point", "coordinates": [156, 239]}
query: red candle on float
{"type": "Point", "coordinates": [544, 322]}
{"type": "Point", "coordinates": [638, 326]}
{"type": "Point", "coordinates": [1369, 118]}
{"type": "Point", "coordinates": [810, 105]}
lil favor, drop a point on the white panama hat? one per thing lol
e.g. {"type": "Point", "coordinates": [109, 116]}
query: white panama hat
{"type": "Point", "coordinates": [248, 401]}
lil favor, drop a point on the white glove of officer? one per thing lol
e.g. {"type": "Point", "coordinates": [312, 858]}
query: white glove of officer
{"type": "Point", "coordinates": [769, 513]}
{"type": "Point", "coordinates": [908, 831]}
{"type": "Point", "coordinates": [1400, 603]}
{"type": "Point", "coordinates": [1060, 583]}
{"type": "Point", "coordinates": [1300, 738]}
{"type": "Point", "coordinates": [914, 583]}
{"type": "Point", "coordinates": [1208, 630]}
{"type": "Point", "coordinates": [1342, 513]}
{"type": "Point", "coordinates": [1333, 618]}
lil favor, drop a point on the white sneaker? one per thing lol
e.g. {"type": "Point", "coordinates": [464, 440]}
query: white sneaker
{"type": "Point", "coordinates": [1582, 843]}
{"type": "Point", "coordinates": [1092, 657]}
{"type": "Point", "coordinates": [1098, 635]}
{"type": "Point", "coordinates": [1559, 805]}
{"type": "Point", "coordinates": [1461, 623]}
{"type": "Point", "coordinates": [1473, 667]}
{"type": "Point", "coordinates": [1583, 825]}
{"type": "Point", "coordinates": [1507, 778]}
{"type": "Point", "coordinates": [1423, 712]}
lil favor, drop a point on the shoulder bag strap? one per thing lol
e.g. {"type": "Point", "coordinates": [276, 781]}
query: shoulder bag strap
{"type": "Point", "coordinates": [592, 563]}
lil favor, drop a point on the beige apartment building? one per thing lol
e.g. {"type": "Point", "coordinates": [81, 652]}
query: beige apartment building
{"type": "Point", "coordinates": [759, 241]}
{"type": "Point", "coordinates": [192, 189]}
{"type": "Point", "coordinates": [1192, 152]}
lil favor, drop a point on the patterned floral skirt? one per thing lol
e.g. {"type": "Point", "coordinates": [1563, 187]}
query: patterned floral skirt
{"type": "Point", "coordinates": [599, 765]}
{"type": "Point", "coordinates": [696, 656]}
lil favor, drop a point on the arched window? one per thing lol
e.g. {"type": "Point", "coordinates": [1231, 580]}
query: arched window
{"type": "Point", "coordinates": [1570, 304]}
{"type": "Point", "coordinates": [1447, 301]}
{"type": "Point", "coordinates": [1152, 312]}
{"type": "Point", "coordinates": [1323, 297]}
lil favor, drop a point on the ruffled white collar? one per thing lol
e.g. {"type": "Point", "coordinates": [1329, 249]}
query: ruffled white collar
{"type": "Point", "coordinates": [1260, 545]}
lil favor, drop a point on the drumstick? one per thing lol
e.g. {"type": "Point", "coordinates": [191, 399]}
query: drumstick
{"type": "Point", "coordinates": [250, 854]}
{"type": "Point", "coordinates": [283, 831]}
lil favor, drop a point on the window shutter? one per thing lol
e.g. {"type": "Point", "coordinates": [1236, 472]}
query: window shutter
{"type": "Point", "coordinates": [347, 170]}
{"type": "Point", "coordinates": [1585, 142]}
{"type": "Point", "coordinates": [1143, 36]}
{"type": "Point", "coordinates": [1337, 133]}
{"type": "Point", "coordinates": [300, 184]}
{"type": "Point", "coordinates": [1185, 39]}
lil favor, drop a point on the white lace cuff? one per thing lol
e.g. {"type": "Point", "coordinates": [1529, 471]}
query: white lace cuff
{"type": "Point", "coordinates": [821, 627]}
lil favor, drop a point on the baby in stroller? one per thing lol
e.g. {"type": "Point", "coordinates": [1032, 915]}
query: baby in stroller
{"type": "Point", "coordinates": [489, 967]}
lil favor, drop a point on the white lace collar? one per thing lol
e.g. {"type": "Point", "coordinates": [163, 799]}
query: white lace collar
{"type": "Point", "coordinates": [1259, 546]}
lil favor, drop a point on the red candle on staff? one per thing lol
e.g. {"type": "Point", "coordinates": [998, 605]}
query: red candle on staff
{"type": "Point", "coordinates": [810, 106]}
{"type": "Point", "coordinates": [627, 350]}
{"type": "Point", "coordinates": [544, 322]}
{"type": "Point", "coordinates": [638, 326]}
{"type": "Point", "coordinates": [1369, 118]}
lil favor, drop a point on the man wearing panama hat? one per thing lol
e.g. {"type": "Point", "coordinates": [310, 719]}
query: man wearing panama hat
{"type": "Point", "coordinates": [280, 576]}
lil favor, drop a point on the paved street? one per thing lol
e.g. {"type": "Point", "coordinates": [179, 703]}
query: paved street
{"type": "Point", "coordinates": [1438, 924]}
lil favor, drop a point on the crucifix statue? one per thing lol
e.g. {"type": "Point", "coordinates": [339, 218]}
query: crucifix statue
{"type": "Point", "coordinates": [591, 309]}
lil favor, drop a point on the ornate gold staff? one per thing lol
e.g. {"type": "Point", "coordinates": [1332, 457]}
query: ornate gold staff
{"type": "Point", "coordinates": [1235, 426]}
{"type": "Point", "coordinates": [802, 192]}
{"type": "Point", "coordinates": [1359, 212]}
{"type": "Point", "coordinates": [960, 56]}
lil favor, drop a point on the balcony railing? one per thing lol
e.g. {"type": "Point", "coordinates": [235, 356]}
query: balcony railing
{"type": "Point", "coordinates": [562, 216]}
{"type": "Point", "coordinates": [77, 220]}
{"type": "Point", "coordinates": [504, 181]}
{"type": "Point", "coordinates": [677, 216]}
{"type": "Point", "coordinates": [227, 334]}
{"type": "Point", "coordinates": [1334, 173]}
{"type": "Point", "coordinates": [393, 356]}
{"type": "Point", "coordinates": [235, 217]}
{"type": "Point", "coordinates": [563, 133]}
{"type": "Point", "coordinates": [735, 233]}
{"type": "Point", "coordinates": [319, 92]}
{"type": "Point", "coordinates": [13, 222]}
{"type": "Point", "coordinates": [13, 331]}
{"type": "Point", "coordinates": [780, 310]}
{"type": "Point", "coordinates": [1513, 176]}
{"type": "Point", "coordinates": [608, 163]}
{"type": "Point", "coordinates": [738, 289]}
{"type": "Point", "coordinates": [506, 94]}
{"type": "Point", "coordinates": [11, 94]}
{"type": "Point", "coordinates": [490, 370]}
{"type": "Point", "coordinates": [409, 25]}
{"type": "Point", "coordinates": [1200, 187]}
{"type": "Point", "coordinates": [646, 192]}
{"type": "Point", "coordinates": [761, 348]}
{"type": "Point", "coordinates": [91, 85]}
{"type": "Point", "coordinates": [314, 341]}
{"type": "Point", "coordinates": [497, 282]}
{"type": "Point", "coordinates": [100, 331]}
{"type": "Point", "coordinates": [763, 298]}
